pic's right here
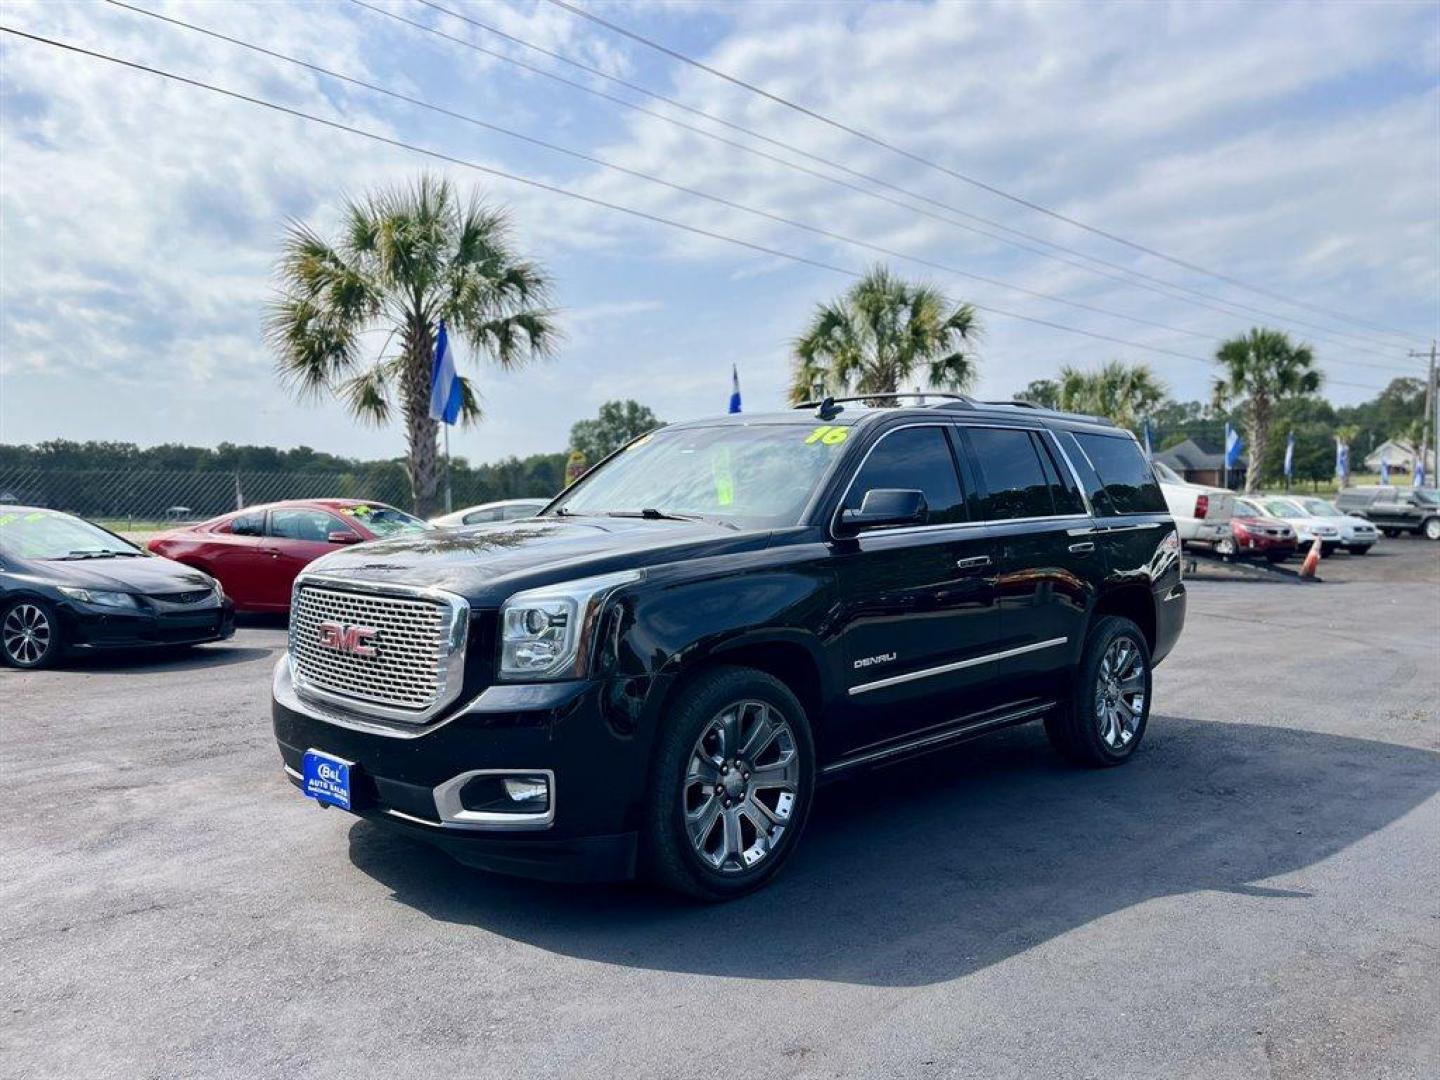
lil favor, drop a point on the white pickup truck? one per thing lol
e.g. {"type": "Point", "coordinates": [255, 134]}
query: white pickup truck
{"type": "Point", "coordinates": [1202, 514]}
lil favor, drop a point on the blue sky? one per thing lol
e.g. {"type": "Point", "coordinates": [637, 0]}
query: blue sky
{"type": "Point", "coordinates": [1296, 146]}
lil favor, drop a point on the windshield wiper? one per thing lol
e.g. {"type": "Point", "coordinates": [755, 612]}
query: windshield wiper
{"type": "Point", "coordinates": [650, 513]}
{"type": "Point", "coordinates": [100, 553]}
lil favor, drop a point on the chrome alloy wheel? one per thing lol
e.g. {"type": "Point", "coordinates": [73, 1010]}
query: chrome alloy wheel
{"type": "Point", "coordinates": [26, 634]}
{"type": "Point", "coordinates": [741, 785]}
{"type": "Point", "coordinates": [1120, 693]}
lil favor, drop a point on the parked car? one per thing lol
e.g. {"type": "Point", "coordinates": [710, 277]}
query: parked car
{"type": "Point", "coordinates": [486, 513]}
{"type": "Point", "coordinates": [1307, 527]}
{"type": "Point", "coordinates": [1202, 514]}
{"type": "Point", "coordinates": [1256, 535]}
{"type": "Point", "coordinates": [657, 672]}
{"type": "Point", "coordinates": [1395, 509]}
{"type": "Point", "coordinates": [256, 552]}
{"type": "Point", "coordinates": [67, 586]}
{"type": "Point", "coordinates": [1357, 535]}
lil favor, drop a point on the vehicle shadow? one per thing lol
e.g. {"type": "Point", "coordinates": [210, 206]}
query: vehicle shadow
{"type": "Point", "coordinates": [166, 659]}
{"type": "Point", "coordinates": [929, 871]}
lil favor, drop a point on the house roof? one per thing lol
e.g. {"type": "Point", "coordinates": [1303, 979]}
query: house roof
{"type": "Point", "coordinates": [1193, 454]}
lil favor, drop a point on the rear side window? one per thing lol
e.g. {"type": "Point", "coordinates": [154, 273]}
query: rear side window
{"type": "Point", "coordinates": [917, 459]}
{"type": "Point", "coordinates": [1014, 480]}
{"type": "Point", "coordinates": [314, 526]}
{"type": "Point", "coordinates": [252, 524]}
{"type": "Point", "coordinates": [1129, 484]}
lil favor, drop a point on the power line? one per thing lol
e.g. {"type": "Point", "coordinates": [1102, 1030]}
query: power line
{"type": "Point", "coordinates": [973, 181]}
{"type": "Point", "coordinates": [683, 189]}
{"type": "Point", "coordinates": [1117, 272]}
{"type": "Point", "coordinates": [568, 193]}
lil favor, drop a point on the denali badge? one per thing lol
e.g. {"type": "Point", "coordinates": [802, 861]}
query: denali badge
{"type": "Point", "coordinates": [883, 658]}
{"type": "Point", "coordinates": [347, 639]}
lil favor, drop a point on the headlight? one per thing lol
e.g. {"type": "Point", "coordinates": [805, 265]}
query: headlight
{"type": "Point", "coordinates": [546, 633]}
{"type": "Point", "coordinates": [100, 599]}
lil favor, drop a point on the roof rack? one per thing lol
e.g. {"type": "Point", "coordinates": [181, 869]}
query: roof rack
{"type": "Point", "coordinates": [828, 408]}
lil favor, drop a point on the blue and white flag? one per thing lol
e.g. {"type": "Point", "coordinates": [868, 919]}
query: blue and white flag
{"type": "Point", "coordinates": [445, 398]}
{"type": "Point", "coordinates": [1148, 451]}
{"type": "Point", "coordinates": [1233, 443]}
{"type": "Point", "coordinates": [734, 389]}
{"type": "Point", "coordinates": [1384, 469]}
{"type": "Point", "coordinates": [1342, 458]}
{"type": "Point", "coordinates": [1290, 456]}
{"type": "Point", "coordinates": [1419, 479]}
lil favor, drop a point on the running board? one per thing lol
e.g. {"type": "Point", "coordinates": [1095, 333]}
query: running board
{"type": "Point", "coordinates": [939, 739]}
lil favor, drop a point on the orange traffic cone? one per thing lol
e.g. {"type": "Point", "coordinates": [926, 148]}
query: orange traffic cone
{"type": "Point", "coordinates": [1312, 560]}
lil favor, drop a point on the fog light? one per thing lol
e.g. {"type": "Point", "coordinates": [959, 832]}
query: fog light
{"type": "Point", "coordinates": [502, 793]}
{"type": "Point", "coordinates": [528, 789]}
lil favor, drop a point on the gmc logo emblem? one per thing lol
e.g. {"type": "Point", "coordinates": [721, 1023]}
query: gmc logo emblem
{"type": "Point", "coordinates": [347, 639]}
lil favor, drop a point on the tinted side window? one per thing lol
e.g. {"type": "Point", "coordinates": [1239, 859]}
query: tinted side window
{"type": "Point", "coordinates": [248, 524]}
{"type": "Point", "coordinates": [1127, 478]}
{"type": "Point", "coordinates": [481, 516]}
{"type": "Point", "coordinates": [312, 525]}
{"type": "Point", "coordinates": [919, 459]}
{"type": "Point", "coordinates": [1062, 485]}
{"type": "Point", "coordinates": [1094, 489]}
{"type": "Point", "coordinates": [1014, 481]}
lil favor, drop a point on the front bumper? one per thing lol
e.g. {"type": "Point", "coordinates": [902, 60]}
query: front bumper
{"type": "Point", "coordinates": [579, 732]}
{"type": "Point", "coordinates": [87, 627]}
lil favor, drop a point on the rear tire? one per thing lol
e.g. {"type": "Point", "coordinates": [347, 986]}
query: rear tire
{"type": "Point", "coordinates": [1392, 533]}
{"type": "Point", "coordinates": [1430, 528]}
{"type": "Point", "coordinates": [29, 634]}
{"type": "Point", "coordinates": [1326, 550]}
{"type": "Point", "coordinates": [1104, 721]}
{"type": "Point", "coordinates": [1225, 547]}
{"type": "Point", "coordinates": [731, 786]}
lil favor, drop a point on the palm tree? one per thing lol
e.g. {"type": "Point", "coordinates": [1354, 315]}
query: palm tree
{"type": "Point", "coordinates": [1124, 393]}
{"type": "Point", "coordinates": [882, 334]}
{"type": "Point", "coordinates": [1263, 368]}
{"type": "Point", "coordinates": [404, 259]}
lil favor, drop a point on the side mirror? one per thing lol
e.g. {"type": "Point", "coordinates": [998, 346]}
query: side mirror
{"type": "Point", "coordinates": [342, 536]}
{"type": "Point", "coordinates": [884, 507]}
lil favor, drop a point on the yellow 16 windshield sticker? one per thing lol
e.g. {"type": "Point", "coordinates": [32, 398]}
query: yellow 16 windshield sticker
{"type": "Point", "coordinates": [828, 435]}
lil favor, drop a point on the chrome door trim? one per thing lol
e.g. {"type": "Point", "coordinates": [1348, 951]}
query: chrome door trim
{"type": "Point", "coordinates": [939, 738]}
{"type": "Point", "coordinates": [959, 665]}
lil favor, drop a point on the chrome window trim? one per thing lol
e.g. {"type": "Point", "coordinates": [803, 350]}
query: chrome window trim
{"type": "Point", "coordinates": [1074, 472]}
{"type": "Point", "coordinates": [451, 674]}
{"type": "Point", "coordinates": [959, 665]}
{"type": "Point", "coordinates": [453, 815]}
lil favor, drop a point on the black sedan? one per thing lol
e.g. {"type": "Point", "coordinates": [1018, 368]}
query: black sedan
{"type": "Point", "coordinates": [67, 585]}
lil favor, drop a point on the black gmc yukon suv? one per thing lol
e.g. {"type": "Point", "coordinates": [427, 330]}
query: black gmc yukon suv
{"type": "Point", "coordinates": [655, 672]}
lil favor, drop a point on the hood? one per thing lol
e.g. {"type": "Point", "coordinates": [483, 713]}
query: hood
{"type": "Point", "coordinates": [486, 564]}
{"type": "Point", "coordinates": [149, 574]}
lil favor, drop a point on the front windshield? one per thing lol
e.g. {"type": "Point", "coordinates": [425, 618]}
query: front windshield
{"type": "Point", "coordinates": [1281, 508]}
{"type": "Point", "coordinates": [1320, 508]}
{"type": "Point", "coordinates": [385, 520]}
{"type": "Point", "coordinates": [757, 476]}
{"type": "Point", "coordinates": [45, 534]}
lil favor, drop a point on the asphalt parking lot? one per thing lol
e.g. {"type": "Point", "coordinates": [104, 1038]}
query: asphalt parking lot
{"type": "Point", "coordinates": [1256, 894]}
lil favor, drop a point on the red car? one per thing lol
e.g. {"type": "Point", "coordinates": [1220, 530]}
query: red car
{"type": "Point", "coordinates": [1264, 537]}
{"type": "Point", "coordinates": [256, 552]}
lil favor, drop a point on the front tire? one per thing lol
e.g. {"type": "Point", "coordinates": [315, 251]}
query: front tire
{"type": "Point", "coordinates": [1359, 549]}
{"type": "Point", "coordinates": [1225, 547]}
{"type": "Point", "coordinates": [1431, 528]}
{"type": "Point", "coordinates": [733, 779]}
{"type": "Point", "coordinates": [1104, 721]}
{"type": "Point", "coordinates": [29, 634]}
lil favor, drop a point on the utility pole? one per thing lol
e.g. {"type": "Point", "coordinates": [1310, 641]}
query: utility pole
{"type": "Point", "coordinates": [1430, 425]}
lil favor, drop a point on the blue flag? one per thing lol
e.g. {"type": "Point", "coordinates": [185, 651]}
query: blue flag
{"type": "Point", "coordinates": [1290, 456]}
{"type": "Point", "coordinates": [1419, 480]}
{"type": "Point", "coordinates": [1342, 459]}
{"type": "Point", "coordinates": [734, 389]}
{"type": "Point", "coordinates": [1233, 443]}
{"type": "Point", "coordinates": [1385, 469]}
{"type": "Point", "coordinates": [445, 399]}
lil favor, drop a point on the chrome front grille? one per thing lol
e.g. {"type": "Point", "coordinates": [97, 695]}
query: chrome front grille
{"type": "Point", "coordinates": [398, 655]}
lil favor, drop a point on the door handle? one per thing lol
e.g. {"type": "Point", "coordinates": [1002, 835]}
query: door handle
{"type": "Point", "coordinates": [1083, 548]}
{"type": "Point", "coordinates": [973, 563]}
